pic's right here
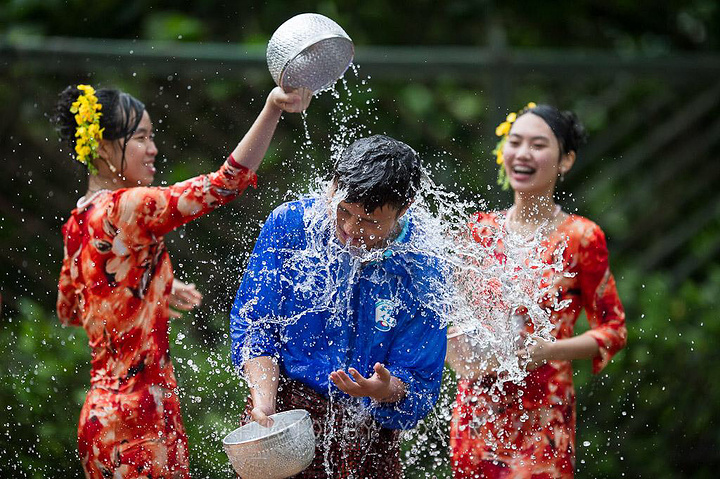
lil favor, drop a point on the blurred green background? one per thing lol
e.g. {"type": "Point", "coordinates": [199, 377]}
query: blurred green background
{"type": "Point", "coordinates": [642, 75]}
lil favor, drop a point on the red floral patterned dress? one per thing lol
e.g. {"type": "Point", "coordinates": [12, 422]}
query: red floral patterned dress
{"type": "Point", "coordinates": [528, 431]}
{"type": "Point", "coordinates": [115, 282]}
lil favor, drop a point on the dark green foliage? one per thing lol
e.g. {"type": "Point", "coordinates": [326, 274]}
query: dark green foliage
{"type": "Point", "coordinates": [620, 24]}
{"type": "Point", "coordinates": [45, 371]}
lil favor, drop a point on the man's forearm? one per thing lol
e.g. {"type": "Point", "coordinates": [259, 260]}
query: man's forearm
{"type": "Point", "coordinates": [262, 375]}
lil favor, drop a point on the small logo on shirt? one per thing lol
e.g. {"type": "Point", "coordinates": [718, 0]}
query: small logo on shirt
{"type": "Point", "coordinates": [384, 320]}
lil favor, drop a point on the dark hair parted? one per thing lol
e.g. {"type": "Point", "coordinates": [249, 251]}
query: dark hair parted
{"type": "Point", "coordinates": [121, 115]}
{"type": "Point", "coordinates": [378, 171]}
{"type": "Point", "coordinates": [565, 125]}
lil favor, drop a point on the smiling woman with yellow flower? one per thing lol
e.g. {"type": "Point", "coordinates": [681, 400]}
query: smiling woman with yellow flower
{"type": "Point", "coordinates": [527, 430]}
{"type": "Point", "coordinates": [116, 279]}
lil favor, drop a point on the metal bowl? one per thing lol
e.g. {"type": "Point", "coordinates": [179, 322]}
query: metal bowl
{"type": "Point", "coordinates": [309, 50]}
{"type": "Point", "coordinates": [281, 450]}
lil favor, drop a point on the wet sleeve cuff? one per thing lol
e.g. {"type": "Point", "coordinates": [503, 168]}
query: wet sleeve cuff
{"type": "Point", "coordinates": [605, 353]}
{"type": "Point", "coordinates": [251, 175]}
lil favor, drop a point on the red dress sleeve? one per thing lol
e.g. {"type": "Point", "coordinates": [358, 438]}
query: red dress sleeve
{"type": "Point", "coordinates": [602, 303]}
{"type": "Point", "coordinates": [133, 219]}
{"type": "Point", "coordinates": [68, 302]}
{"type": "Point", "coordinates": [155, 211]}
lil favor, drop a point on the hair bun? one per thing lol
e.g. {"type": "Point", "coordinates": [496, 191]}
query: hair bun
{"type": "Point", "coordinates": [63, 120]}
{"type": "Point", "coordinates": [577, 135]}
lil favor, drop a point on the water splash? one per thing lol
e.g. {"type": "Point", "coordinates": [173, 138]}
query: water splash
{"type": "Point", "coordinates": [352, 118]}
{"type": "Point", "coordinates": [505, 284]}
{"type": "Point", "coordinates": [490, 302]}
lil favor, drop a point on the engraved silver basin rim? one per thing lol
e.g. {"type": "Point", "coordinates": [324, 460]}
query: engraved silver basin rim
{"type": "Point", "coordinates": [282, 450]}
{"type": "Point", "coordinates": [309, 50]}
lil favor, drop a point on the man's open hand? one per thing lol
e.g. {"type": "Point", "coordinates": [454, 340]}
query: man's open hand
{"type": "Point", "coordinates": [381, 386]}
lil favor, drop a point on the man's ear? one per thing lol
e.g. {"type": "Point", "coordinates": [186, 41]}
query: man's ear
{"type": "Point", "coordinates": [333, 188]}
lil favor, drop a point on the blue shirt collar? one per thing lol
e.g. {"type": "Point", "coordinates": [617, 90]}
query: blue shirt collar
{"type": "Point", "coordinates": [401, 238]}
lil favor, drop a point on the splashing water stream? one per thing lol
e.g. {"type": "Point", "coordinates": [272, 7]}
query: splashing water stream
{"type": "Point", "coordinates": [488, 301]}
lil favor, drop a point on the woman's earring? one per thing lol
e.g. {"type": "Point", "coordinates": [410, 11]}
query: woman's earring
{"type": "Point", "coordinates": [110, 165]}
{"type": "Point", "coordinates": [562, 176]}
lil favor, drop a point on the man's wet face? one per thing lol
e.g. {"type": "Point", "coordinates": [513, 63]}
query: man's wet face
{"type": "Point", "coordinates": [356, 227]}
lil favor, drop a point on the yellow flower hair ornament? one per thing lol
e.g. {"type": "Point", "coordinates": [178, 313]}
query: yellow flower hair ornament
{"type": "Point", "coordinates": [88, 132]}
{"type": "Point", "coordinates": [502, 130]}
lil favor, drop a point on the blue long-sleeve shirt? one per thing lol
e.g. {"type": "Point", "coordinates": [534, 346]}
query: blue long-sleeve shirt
{"type": "Point", "coordinates": [317, 311]}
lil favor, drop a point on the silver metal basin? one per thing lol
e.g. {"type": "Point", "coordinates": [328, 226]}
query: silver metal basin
{"type": "Point", "coordinates": [309, 50]}
{"type": "Point", "coordinates": [282, 450]}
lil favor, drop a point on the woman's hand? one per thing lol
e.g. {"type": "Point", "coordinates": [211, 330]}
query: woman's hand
{"type": "Point", "coordinates": [537, 354]}
{"type": "Point", "coordinates": [466, 358]}
{"type": "Point", "coordinates": [459, 354]}
{"type": "Point", "coordinates": [294, 101]}
{"type": "Point", "coordinates": [381, 386]}
{"type": "Point", "coordinates": [183, 297]}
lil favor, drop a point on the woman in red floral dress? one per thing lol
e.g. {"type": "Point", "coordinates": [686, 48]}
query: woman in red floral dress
{"type": "Point", "coordinates": [116, 279]}
{"type": "Point", "coordinates": [528, 429]}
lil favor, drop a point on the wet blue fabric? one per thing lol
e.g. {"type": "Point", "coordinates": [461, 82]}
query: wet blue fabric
{"type": "Point", "coordinates": [383, 311]}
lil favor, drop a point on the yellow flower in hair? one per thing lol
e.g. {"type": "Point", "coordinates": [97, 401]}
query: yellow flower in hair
{"type": "Point", "coordinates": [88, 133]}
{"type": "Point", "coordinates": [83, 152]}
{"type": "Point", "coordinates": [498, 151]}
{"type": "Point", "coordinates": [95, 131]}
{"type": "Point", "coordinates": [88, 89]}
{"type": "Point", "coordinates": [503, 130]}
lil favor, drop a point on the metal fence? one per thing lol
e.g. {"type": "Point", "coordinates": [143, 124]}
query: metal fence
{"type": "Point", "coordinates": [649, 175]}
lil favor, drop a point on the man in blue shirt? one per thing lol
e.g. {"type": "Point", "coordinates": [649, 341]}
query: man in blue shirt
{"type": "Point", "coordinates": [338, 301]}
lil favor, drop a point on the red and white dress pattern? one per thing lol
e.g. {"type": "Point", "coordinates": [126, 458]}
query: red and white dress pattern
{"type": "Point", "coordinates": [528, 431]}
{"type": "Point", "coordinates": [115, 283]}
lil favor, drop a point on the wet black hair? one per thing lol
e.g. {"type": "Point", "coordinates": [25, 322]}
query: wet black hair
{"type": "Point", "coordinates": [121, 115]}
{"type": "Point", "coordinates": [378, 171]}
{"type": "Point", "coordinates": [565, 125]}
